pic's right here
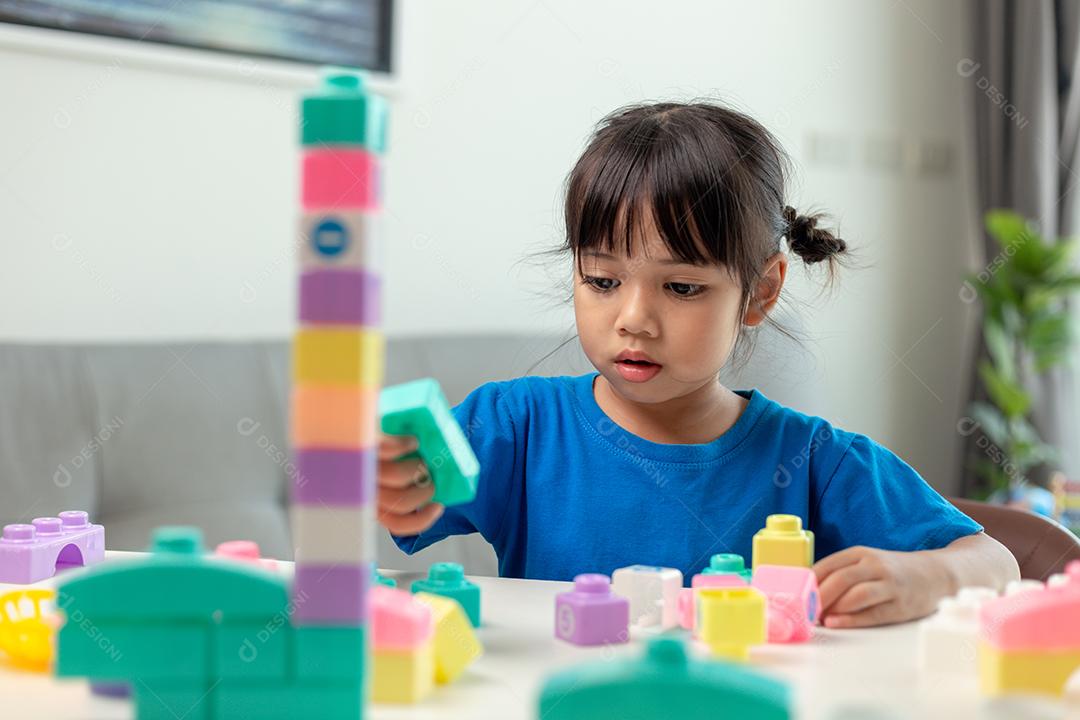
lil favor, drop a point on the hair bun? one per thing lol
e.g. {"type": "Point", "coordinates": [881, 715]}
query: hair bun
{"type": "Point", "coordinates": [807, 240]}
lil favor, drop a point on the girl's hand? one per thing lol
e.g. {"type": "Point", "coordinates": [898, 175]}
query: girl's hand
{"type": "Point", "coordinates": [863, 586]}
{"type": "Point", "coordinates": [405, 488]}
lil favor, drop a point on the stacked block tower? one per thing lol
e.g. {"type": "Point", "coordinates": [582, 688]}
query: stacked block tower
{"type": "Point", "coordinates": [338, 355]}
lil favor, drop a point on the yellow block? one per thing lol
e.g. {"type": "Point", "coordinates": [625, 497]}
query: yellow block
{"type": "Point", "coordinates": [783, 542]}
{"type": "Point", "coordinates": [1025, 671]}
{"type": "Point", "coordinates": [730, 620]}
{"type": "Point", "coordinates": [336, 355]}
{"type": "Point", "coordinates": [403, 676]}
{"type": "Point", "coordinates": [456, 645]}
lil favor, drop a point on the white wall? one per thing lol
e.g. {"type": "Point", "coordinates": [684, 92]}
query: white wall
{"type": "Point", "coordinates": [145, 200]}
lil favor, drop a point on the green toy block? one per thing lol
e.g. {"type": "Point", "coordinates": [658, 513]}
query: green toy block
{"type": "Point", "coordinates": [664, 683]}
{"type": "Point", "coordinates": [448, 579]}
{"type": "Point", "coordinates": [177, 583]}
{"type": "Point", "coordinates": [159, 699]}
{"type": "Point", "coordinates": [337, 701]}
{"type": "Point", "coordinates": [253, 650]}
{"type": "Point", "coordinates": [330, 653]}
{"type": "Point", "coordinates": [382, 579]}
{"type": "Point", "coordinates": [728, 564]}
{"type": "Point", "coordinates": [419, 408]}
{"type": "Point", "coordinates": [340, 112]}
{"type": "Point", "coordinates": [119, 651]}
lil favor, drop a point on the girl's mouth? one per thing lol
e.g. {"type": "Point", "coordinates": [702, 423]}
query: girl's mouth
{"type": "Point", "coordinates": [637, 371]}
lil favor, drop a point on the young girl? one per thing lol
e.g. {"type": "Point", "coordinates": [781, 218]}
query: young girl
{"type": "Point", "coordinates": [675, 216]}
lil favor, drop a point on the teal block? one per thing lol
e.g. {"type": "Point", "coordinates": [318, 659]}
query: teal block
{"type": "Point", "coordinates": [176, 583]}
{"type": "Point", "coordinates": [329, 653]}
{"type": "Point", "coordinates": [341, 112]}
{"type": "Point", "coordinates": [419, 408]}
{"type": "Point", "coordinates": [325, 701]}
{"type": "Point", "coordinates": [382, 579]}
{"type": "Point", "coordinates": [664, 683]}
{"type": "Point", "coordinates": [254, 650]}
{"type": "Point", "coordinates": [728, 564]}
{"type": "Point", "coordinates": [170, 699]}
{"type": "Point", "coordinates": [448, 579]}
{"type": "Point", "coordinates": [123, 651]}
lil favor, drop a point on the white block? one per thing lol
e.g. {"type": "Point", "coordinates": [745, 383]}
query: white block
{"type": "Point", "coordinates": [347, 240]}
{"type": "Point", "coordinates": [948, 639]}
{"type": "Point", "coordinates": [653, 593]}
{"type": "Point", "coordinates": [333, 534]}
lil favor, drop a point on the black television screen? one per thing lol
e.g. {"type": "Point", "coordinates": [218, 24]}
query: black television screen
{"type": "Point", "coordinates": [350, 33]}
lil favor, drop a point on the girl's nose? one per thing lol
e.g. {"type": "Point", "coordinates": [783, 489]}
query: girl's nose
{"type": "Point", "coordinates": [637, 315]}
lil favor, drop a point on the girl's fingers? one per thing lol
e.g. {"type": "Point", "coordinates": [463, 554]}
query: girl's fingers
{"type": "Point", "coordinates": [412, 523]}
{"type": "Point", "coordinates": [401, 501]}
{"type": "Point", "coordinates": [883, 614]}
{"type": "Point", "coordinates": [839, 582]}
{"type": "Point", "coordinates": [402, 473]}
{"type": "Point", "coordinates": [392, 447]}
{"type": "Point", "coordinates": [863, 596]}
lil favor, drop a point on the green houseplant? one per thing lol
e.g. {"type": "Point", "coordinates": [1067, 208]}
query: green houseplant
{"type": "Point", "coordinates": [1026, 327]}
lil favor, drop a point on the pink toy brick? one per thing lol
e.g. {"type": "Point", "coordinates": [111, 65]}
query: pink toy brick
{"type": "Point", "coordinates": [591, 614]}
{"type": "Point", "coordinates": [337, 178]}
{"type": "Point", "coordinates": [793, 601]}
{"type": "Point", "coordinates": [686, 595]}
{"type": "Point", "coordinates": [246, 551]}
{"type": "Point", "coordinates": [399, 621]}
{"type": "Point", "coordinates": [29, 553]}
{"type": "Point", "coordinates": [1034, 620]}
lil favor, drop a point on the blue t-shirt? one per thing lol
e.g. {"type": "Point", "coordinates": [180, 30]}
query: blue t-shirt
{"type": "Point", "coordinates": [564, 490]}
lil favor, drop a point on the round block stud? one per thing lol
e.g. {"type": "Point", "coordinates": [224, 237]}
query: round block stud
{"type": "Point", "coordinates": [448, 579]}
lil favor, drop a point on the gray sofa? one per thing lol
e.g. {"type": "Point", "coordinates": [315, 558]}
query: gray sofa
{"type": "Point", "coordinates": [142, 435]}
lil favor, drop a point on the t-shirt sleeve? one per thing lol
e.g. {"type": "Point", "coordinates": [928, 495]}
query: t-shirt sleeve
{"type": "Point", "coordinates": [874, 498]}
{"type": "Point", "coordinates": [488, 422]}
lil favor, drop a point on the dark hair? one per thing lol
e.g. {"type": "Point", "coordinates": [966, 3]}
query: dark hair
{"type": "Point", "coordinates": [712, 178]}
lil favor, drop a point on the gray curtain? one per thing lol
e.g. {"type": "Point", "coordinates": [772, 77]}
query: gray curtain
{"type": "Point", "coordinates": [1024, 74]}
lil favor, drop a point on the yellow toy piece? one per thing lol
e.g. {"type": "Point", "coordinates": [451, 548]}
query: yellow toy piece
{"type": "Point", "coordinates": [26, 631]}
{"type": "Point", "coordinates": [338, 355]}
{"type": "Point", "coordinates": [730, 620]}
{"type": "Point", "coordinates": [403, 676]}
{"type": "Point", "coordinates": [1025, 671]}
{"type": "Point", "coordinates": [783, 542]}
{"type": "Point", "coordinates": [456, 645]}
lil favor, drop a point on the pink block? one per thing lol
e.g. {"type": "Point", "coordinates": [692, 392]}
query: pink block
{"type": "Point", "coordinates": [245, 551]}
{"type": "Point", "coordinates": [793, 601]}
{"type": "Point", "coordinates": [331, 594]}
{"type": "Point", "coordinates": [29, 553]}
{"type": "Point", "coordinates": [686, 595]}
{"type": "Point", "coordinates": [338, 178]}
{"type": "Point", "coordinates": [399, 621]}
{"type": "Point", "coordinates": [1038, 620]}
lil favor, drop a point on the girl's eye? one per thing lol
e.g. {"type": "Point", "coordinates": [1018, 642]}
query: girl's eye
{"type": "Point", "coordinates": [685, 289]}
{"type": "Point", "coordinates": [602, 284]}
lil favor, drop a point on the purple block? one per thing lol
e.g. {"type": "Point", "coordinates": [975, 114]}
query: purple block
{"type": "Point", "coordinates": [331, 594]}
{"type": "Point", "coordinates": [334, 477]}
{"type": "Point", "coordinates": [29, 553]}
{"type": "Point", "coordinates": [339, 297]}
{"type": "Point", "coordinates": [591, 614]}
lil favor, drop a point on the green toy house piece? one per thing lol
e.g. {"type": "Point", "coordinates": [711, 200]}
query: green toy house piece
{"type": "Point", "coordinates": [664, 683]}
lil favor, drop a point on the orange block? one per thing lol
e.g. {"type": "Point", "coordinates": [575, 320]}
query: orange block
{"type": "Point", "coordinates": [333, 416]}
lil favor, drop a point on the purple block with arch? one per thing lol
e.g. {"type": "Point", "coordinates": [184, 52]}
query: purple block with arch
{"type": "Point", "coordinates": [36, 551]}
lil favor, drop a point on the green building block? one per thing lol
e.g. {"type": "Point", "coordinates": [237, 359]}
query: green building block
{"type": "Point", "coordinates": [340, 112]}
{"type": "Point", "coordinates": [728, 564]}
{"type": "Point", "coordinates": [114, 650]}
{"type": "Point", "coordinates": [325, 701]}
{"type": "Point", "coordinates": [664, 683]}
{"type": "Point", "coordinates": [326, 652]}
{"type": "Point", "coordinates": [448, 579]}
{"type": "Point", "coordinates": [254, 650]}
{"type": "Point", "coordinates": [160, 699]}
{"type": "Point", "coordinates": [382, 579]}
{"type": "Point", "coordinates": [419, 408]}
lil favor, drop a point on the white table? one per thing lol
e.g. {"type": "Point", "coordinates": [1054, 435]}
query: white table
{"type": "Point", "coordinates": [866, 669]}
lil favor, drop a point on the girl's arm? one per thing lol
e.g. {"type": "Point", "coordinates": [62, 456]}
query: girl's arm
{"type": "Point", "coordinates": [863, 586]}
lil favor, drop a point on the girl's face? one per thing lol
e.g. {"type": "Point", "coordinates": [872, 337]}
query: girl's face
{"type": "Point", "coordinates": [680, 321]}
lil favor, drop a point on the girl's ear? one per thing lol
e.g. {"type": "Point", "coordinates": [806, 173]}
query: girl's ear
{"type": "Point", "coordinates": [767, 290]}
